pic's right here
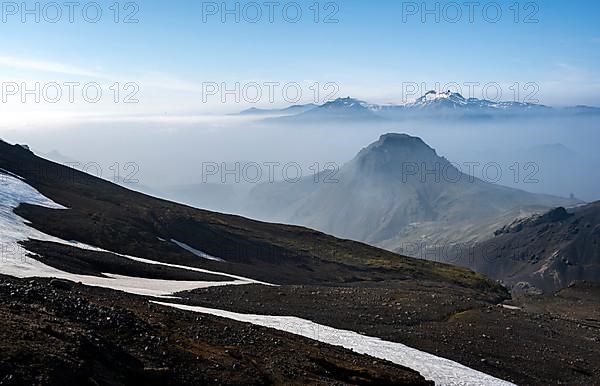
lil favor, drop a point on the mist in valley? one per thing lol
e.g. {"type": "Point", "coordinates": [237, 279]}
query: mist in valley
{"type": "Point", "coordinates": [555, 156]}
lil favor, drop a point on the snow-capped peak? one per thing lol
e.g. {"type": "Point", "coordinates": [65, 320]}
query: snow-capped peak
{"type": "Point", "coordinates": [443, 96]}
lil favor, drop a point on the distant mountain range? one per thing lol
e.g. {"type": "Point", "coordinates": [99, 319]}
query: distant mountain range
{"type": "Point", "coordinates": [432, 104]}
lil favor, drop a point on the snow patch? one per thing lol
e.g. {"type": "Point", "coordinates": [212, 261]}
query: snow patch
{"type": "Point", "coordinates": [443, 372]}
{"type": "Point", "coordinates": [14, 260]}
{"type": "Point", "coordinates": [195, 251]}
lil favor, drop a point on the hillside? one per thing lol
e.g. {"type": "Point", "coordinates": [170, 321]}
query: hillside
{"type": "Point", "coordinates": [545, 252]}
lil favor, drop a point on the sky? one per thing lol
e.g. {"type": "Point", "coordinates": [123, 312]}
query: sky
{"type": "Point", "coordinates": [181, 58]}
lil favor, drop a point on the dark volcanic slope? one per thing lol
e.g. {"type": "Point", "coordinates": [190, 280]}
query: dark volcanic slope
{"type": "Point", "coordinates": [116, 219]}
{"type": "Point", "coordinates": [547, 251]}
{"type": "Point", "coordinates": [89, 336]}
{"type": "Point", "coordinates": [85, 262]}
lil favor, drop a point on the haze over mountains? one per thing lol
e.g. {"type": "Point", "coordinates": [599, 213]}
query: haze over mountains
{"type": "Point", "coordinates": [506, 139]}
{"type": "Point", "coordinates": [100, 213]}
{"type": "Point", "coordinates": [406, 199]}
{"type": "Point", "coordinates": [397, 192]}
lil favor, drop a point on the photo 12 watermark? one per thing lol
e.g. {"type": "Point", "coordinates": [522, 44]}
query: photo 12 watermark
{"type": "Point", "coordinates": [469, 171]}
{"type": "Point", "coordinates": [269, 172]}
{"type": "Point", "coordinates": [268, 92]}
{"type": "Point", "coordinates": [69, 92]}
{"type": "Point", "coordinates": [520, 92]}
{"type": "Point", "coordinates": [452, 12]}
{"type": "Point", "coordinates": [270, 12]}
{"type": "Point", "coordinates": [117, 172]}
{"type": "Point", "coordinates": [52, 12]}
{"type": "Point", "coordinates": [126, 173]}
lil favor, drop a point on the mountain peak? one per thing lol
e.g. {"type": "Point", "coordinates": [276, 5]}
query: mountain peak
{"type": "Point", "coordinates": [394, 150]}
{"type": "Point", "coordinates": [346, 102]}
{"type": "Point", "coordinates": [434, 96]}
{"type": "Point", "coordinates": [395, 139]}
{"type": "Point", "coordinates": [353, 107]}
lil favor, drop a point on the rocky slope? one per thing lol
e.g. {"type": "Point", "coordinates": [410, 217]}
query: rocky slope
{"type": "Point", "coordinates": [56, 334]}
{"type": "Point", "coordinates": [545, 252]}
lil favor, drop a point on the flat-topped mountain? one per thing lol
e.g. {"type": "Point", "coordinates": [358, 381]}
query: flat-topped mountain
{"type": "Point", "coordinates": [396, 193]}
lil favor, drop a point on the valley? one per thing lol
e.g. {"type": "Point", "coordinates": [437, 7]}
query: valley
{"type": "Point", "coordinates": [123, 240]}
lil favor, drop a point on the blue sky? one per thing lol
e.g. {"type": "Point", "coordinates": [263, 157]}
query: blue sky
{"type": "Point", "coordinates": [369, 53]}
